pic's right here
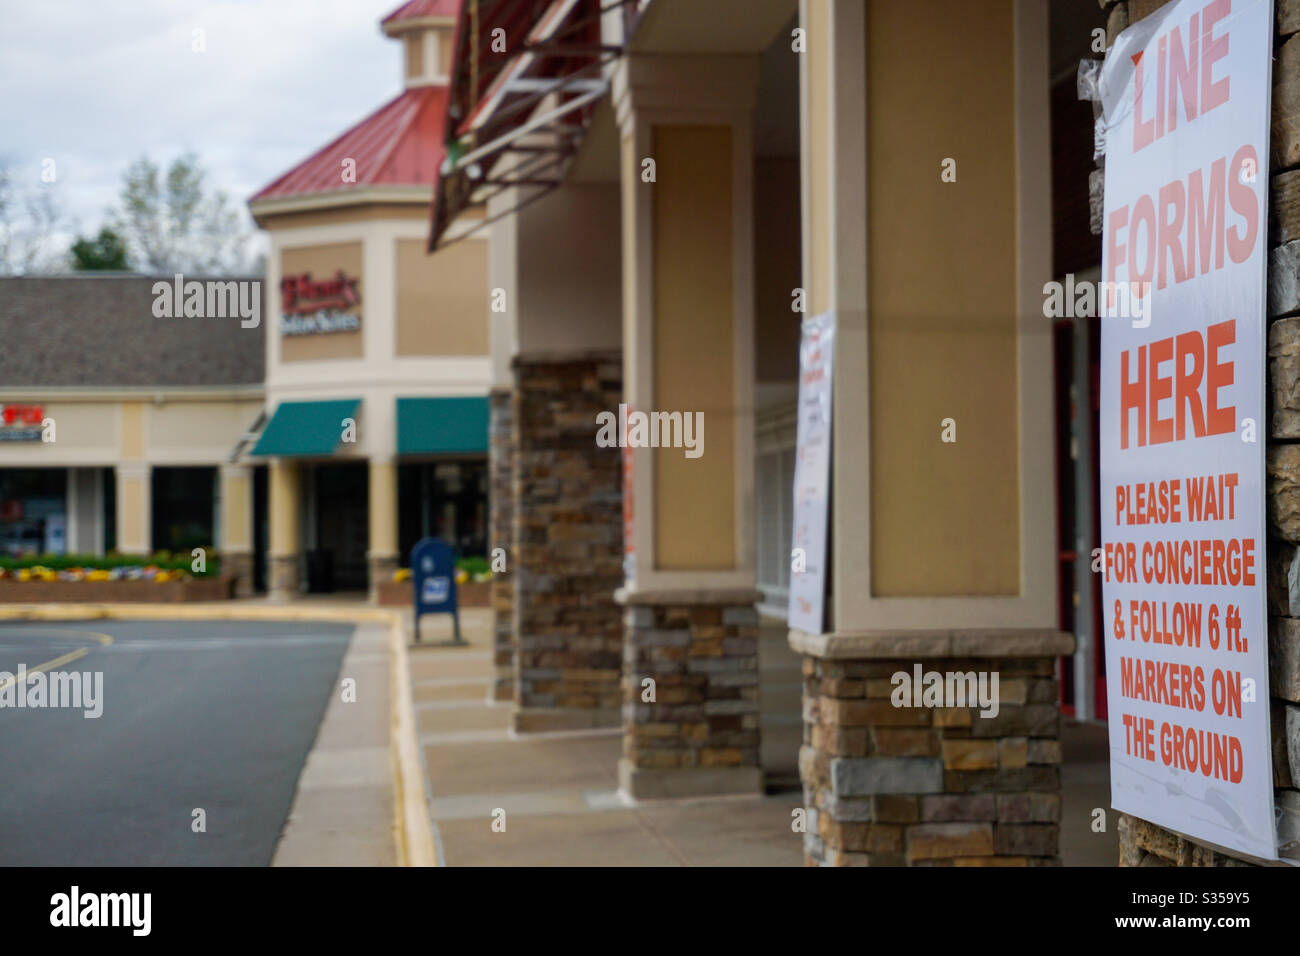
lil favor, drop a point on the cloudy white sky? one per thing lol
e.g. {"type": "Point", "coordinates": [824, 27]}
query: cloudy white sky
{"type": "Point", "coordinates": [95, 84]}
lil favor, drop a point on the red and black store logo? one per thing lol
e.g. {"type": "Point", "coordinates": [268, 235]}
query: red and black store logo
{"type": "Point", "coordinates": [302, 295]}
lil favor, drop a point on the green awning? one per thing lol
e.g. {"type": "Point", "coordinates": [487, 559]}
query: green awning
{"type": "Point", "coordinates": [306, 428]}
{"type": "Point", "coordinates": [427, 426]}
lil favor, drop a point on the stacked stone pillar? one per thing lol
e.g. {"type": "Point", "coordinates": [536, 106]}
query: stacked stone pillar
{"type": "Point", "coordinates": [690, 695]}
{"type": "Point", "coordinates": [567, 543]}
{"type": "Point", "coordinates": [891, 785]}
{"type": "Point", "coordinates": [501, 495]}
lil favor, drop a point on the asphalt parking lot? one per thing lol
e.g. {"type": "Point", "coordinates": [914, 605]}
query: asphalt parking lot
{"type": "Point", "coordinates": [210, 716]}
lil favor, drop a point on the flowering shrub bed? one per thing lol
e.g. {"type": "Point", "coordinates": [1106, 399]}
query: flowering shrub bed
{"type": "Point", "coordinates": [160, 567]}
{"type": "Point", "coordinates": [39, 572]}
{"type": "Point", "coordinates": [114, 577]}
{"type": "Point", "coordinates": [473, 569]}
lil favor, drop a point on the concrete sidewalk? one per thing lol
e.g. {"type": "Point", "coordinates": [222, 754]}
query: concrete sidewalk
{"type": "Point", "coordinates": [556, 793]}
{"type": "Point", "coordinates": [343, 810]}
{"type": "Point", "coordinates": [358, 801]}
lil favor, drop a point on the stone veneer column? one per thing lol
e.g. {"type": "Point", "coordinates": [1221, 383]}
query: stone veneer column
{"type": "Point", "coordinates": [917, 786]}
{"type": "Point", "coordinates": [695, 729]}
{"type": "Point", "coordinates": [1142, 843]}
{"type": "Point", "coordinates": [568, 543]}
{"type": "Point", "coordinates": [500, 528]}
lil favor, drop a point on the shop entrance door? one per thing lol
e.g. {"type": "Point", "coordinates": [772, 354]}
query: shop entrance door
{"type": "Point", "coordinates": [338, 561]}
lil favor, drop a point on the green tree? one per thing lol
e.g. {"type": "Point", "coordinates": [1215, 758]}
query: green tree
{"type": "Point", "coordinates": [104, 253]}
{"type": "Point", "coordinates": [172, 223]}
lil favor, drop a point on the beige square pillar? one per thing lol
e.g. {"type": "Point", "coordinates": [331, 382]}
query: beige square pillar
{"type": "Point", "coordinates": [382, 557]}
{"type": "Point", "coordinates": [690, 680]}
{"type": "Point", "coordinates": [284, 558]}
{"type": "Point", "coordinates": [237, 526]}
{"type": "Point", "coordinates": [942, 552]}
{"type": "Point", "coordinates": [134, 508]}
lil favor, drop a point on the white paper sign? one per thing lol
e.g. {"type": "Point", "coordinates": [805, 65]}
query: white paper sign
{"type": "Point", "coordinates": [812, 475]}
{"type": "Point", "coordinates": [1185, 94]}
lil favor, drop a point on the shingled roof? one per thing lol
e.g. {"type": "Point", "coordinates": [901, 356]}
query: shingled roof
{"type": "Point", "coordinates": [99, 330]}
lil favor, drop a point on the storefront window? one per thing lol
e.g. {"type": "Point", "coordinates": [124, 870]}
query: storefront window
{"type": "Point", "coordinates": [183, 508]}
{"type": "Point", "coordinates": [443, 499]}
{"type": "Point", "coordinates": [33, 510]}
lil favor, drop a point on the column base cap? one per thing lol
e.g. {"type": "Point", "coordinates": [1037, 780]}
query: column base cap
{"type": "Point", "coordinates": [672, 597]}
{"type": "Point", "coordinates": [533, 720]}
{"type": "Point", "coordinates": [644, 783]}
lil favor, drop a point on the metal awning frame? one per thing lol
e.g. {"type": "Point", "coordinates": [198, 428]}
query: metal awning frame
{"type": "Point", "coordinates": [460, 174]}
{"type": "Point", "coordinates": [543, 41]}
{"type": "Point", "coordinates": [467, 179]}
{"type": "Point", "coordinates": [249, 437]}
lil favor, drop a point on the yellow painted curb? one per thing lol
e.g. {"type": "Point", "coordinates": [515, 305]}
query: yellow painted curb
{"type": "Point", "coordinates": [415, 846]}
{"type": "Point", "coordinates": [193, 612]}
{"type": "Point", "coordinates": [414, 833]}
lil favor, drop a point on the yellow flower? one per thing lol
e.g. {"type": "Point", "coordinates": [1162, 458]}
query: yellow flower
{"type": "Point", "coordinates": [24, 574]}
{"type": "Point", "coordinates": [162, 576]}
{"type": "Point", "coordinates": [402, 574]}
{"type": "Point", "coordinates": [100, 575]}
{"type": "Point", "coordinates": [462, 577]}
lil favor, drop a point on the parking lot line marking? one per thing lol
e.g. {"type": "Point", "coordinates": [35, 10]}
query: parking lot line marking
{"type": "Point", "coordinates": [103, 639]}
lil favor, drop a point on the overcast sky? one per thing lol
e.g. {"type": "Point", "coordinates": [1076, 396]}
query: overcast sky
{"type": "Point", "coordinates": [95, 84]}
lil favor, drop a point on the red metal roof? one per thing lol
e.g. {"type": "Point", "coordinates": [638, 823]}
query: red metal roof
{"type": "Point", "coordinates": [423, 8]}
{"type": "Point", "coordinates": [400, 145]}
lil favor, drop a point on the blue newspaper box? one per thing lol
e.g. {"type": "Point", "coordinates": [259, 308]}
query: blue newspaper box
{"type": "Point", "coordinates": [433, 573]}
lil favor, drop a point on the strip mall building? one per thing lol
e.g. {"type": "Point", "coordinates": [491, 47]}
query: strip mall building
{"type": "Point", "coordinates": [672, 189]}
{"type": "Point", "coordinates": [668, 193]}
{"type": "Point", "coordinates": [310, 451]}
{"type": "Point", "coordinates": [579, 205]}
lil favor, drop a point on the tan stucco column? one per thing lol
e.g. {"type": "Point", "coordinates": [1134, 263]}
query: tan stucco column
{"type": "Point", "coordinates": [689, 595]}
{"type": "Point", "coordinates": [134, 508]}
{"type": "Point", "coordinates": [134, 481]}
{"type": "Point", "coordinates": [381, 556]}
{"type": "Point", "coordinates": [237, 526]}
{"type": "Point", "coordinates": [284, 557]}
{"type": "Point", "coordinates": [942, 553]}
